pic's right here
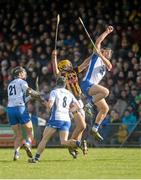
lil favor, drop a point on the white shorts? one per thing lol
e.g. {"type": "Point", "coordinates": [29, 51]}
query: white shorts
{"type": "Point", "coordinates": [81, 110]}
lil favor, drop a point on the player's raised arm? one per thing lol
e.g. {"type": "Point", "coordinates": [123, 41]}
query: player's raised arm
{"type": "Point", "coordinates": [54, 63]}
{"type": "Point", "coordinates": [105, 55]}
{"type": "Point", "coordinates": [101, 38]}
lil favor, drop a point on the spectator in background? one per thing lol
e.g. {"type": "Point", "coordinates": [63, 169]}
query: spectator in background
{"type": "Point", "coordinates": [129, 119]}
{"type": "Point", "coordinates": [122, 134]}
{"type": "Point", "coordinates": [121, 103]}
{"type": "Point", "coordinates": [113, 124]}
{"type": "Point", "coordinates": [138, 83]}
{"type": "Point", "coordinates": [3, 117]}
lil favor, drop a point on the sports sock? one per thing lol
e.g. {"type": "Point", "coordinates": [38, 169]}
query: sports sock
{"type": "Point", "coordinates": [18, 149]}
{"type": "Point", "coordinates": [37, 157]}
{"type": "Point", "coordinates": [78, 143]}
{"type": "Point", "coordinates": [95, 127]}
{"type": "Point", "coordinates": [28, 143]}
{"type": "Point", "coordinates": [16, 153]}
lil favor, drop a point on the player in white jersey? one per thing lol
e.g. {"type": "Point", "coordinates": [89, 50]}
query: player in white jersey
{"type": "Point", "coordinates": [17, 112]}
{"type": "Point", "coordinates": [100, 62]}
{"type": "Point", "coordinates": [60, 102]}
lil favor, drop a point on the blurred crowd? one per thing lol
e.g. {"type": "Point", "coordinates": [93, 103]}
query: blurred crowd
{"type": "Point", "coordinates": [27, 36]}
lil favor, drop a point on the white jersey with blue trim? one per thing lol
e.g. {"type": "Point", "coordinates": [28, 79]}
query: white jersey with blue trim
{"type": "Point", "coordinates": [17, 92]}
{"type": "Point", "coordinates": [96, 70]}
{"type": "Point", "coordinates": [62, 99]}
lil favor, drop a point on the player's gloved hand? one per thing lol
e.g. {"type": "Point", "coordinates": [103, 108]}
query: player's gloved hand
{"type": "Point", "coordinates": [34, 94]}
{"type": "Point", "coordinates": [39, 98]}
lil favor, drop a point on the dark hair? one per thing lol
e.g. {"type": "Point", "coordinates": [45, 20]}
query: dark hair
{"type": "Point", "coordinates": [106, 48]}
{"type": "Point", "coordinates": [17, 71]}
{"type": "Point", "coordinates": [61, 81]}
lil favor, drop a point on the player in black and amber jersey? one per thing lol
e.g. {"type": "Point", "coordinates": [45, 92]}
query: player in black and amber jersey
{"type": "Point", "coordinates": [65, 68]}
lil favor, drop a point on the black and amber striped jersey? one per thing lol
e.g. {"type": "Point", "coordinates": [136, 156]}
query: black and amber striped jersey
{"type": "Point", "coordinates": [72, 81]}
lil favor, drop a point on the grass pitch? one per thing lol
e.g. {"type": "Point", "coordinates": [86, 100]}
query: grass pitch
{"type": "Point", "coordinates": [58, 164]}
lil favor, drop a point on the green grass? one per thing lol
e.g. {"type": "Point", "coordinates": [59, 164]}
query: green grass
{"type": "Point", "coordinates": [57, 163]}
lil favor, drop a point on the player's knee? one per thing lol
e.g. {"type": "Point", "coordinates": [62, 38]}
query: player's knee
{"type": "Point", "coordinates": [80, 123]}
{"type": "Point", "coordinates": [82, 126]}
{"type": "Point", "coordinates": [106, 92]}
{"type": "Point", "coordinates": [107, 109]}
